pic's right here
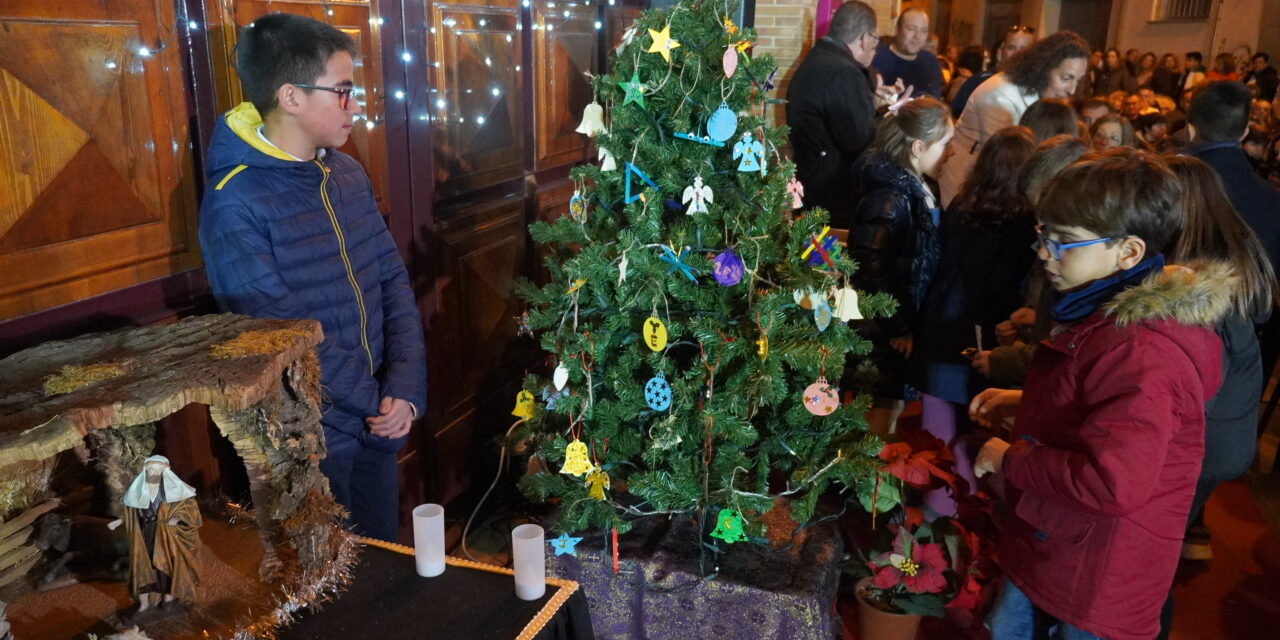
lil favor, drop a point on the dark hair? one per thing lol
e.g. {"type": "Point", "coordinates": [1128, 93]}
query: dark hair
{"type": "Point", "coordinates": [1220, 111]}
{"type": "Point", "coordinates": [971, 58]}
{"type": "Point", "coordinates": [1154, 59]}
{"type": "Point", "coordinates": [1052, 156]}
{"type": "Point", "coordinates": [1116, 193]}
{"type": "Point", "coordinates": [1194, 55]}
{"type": "Point", "coordinates": [925, 119]}
{"type": "Point", "coordinates": [1213, 230]}
{"type": "Point", "coordinates": [1256, 135]}
{"type": "Point", "coordinates": [1145, 122]}
{"type": "Point", "coordinates": [1049, 117]}
{"type": "Point", "coordinates": [281, 48]}
{"type": "Point", "coordinates": [1265, 57]}
{"type": "Point", "coordinates": [990, 193]}
{"type": "Point", "coordinates": [1126, 129]}
{"type": "Point", "coordinates": [1095, 102]}
{"type": "Point", "coordinates": [1030, 69]}
{"type": "Point", "coordinates": [851, 20]}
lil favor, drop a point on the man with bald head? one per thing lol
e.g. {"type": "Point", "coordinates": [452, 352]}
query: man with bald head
{"type": "Point", "coordinates": [907, 59]}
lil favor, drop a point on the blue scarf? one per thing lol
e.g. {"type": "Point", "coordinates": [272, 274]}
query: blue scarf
{"type": "Point", "coordinates": [1075, 306]}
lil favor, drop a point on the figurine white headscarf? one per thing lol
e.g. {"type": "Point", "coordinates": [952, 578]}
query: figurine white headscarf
{"type": "Point", "coordinates": [141, 493]}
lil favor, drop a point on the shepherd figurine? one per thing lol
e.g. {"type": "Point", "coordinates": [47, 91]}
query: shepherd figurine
{"type": "Point", "coordinates": [162, 520]}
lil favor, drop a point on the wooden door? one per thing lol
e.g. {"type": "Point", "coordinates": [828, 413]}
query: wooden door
{"type": "Point", "coordinates": [97, 179]}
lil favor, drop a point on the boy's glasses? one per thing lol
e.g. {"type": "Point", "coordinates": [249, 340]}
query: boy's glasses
{"type": "Point", "coordinates": [344, 93]}
{"type": "Point", "coordinates": [1055, 248]}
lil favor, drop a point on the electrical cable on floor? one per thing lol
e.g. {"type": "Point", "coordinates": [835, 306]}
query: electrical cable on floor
{"type": "Point", "coordinates": [502, 456]}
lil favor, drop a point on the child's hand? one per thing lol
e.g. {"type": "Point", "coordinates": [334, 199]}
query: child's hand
{"type": "Point", "coordinates": [1024, 318]}
{"type": "Point", "coordinates": [991, 407]}
{"type": "Point", "coordinates": [394, 421]}
{"type": "Point", "coordinates": [982, 362]}
{"type": "Point", "coordinates": [991, 458]}
{"type": "Point", "coordinates": [902, 344]}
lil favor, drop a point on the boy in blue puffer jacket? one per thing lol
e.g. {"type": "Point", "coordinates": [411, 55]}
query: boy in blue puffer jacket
{"type": "Point", "coordinates": [289, 229]}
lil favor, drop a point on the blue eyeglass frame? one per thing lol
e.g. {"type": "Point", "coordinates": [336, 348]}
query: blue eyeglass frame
{"type": "Point", "coordinates": [1055, 248]}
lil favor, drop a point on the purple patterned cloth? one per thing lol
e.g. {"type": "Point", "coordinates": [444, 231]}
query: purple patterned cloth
{"type": "Point", "coordinates": [759, 592]}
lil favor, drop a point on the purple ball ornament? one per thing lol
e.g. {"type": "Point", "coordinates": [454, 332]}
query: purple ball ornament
{"type": "Point", "coordinates": [728, 268]}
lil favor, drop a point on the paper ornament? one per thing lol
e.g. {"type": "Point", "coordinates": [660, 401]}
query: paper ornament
{"type": "Point", "coordinates": [722, 124]}
{"type": "Point", "coordinates": [768, 83]}
{"type": "Point", "coordinates": [820, 398]}
{"type": "Point", "coordinates": [655, 333]}
{"type": "Point", "coordinates": [697, 196]}
{"type": "Point", "coordinates": [634, 89]}
{"type": "Point", "coordinates": [592, 120]}
{"type": "Point", "coordinates": [577, 206]}
{"type": "Point", "coordinates": [597, 481]}
{"type": "Point", "coordinates": [751, 152]}
{"type": "Point", "coordinates": [622, 268]}
{"type": "Point", "coordinates": [524, 405]}
{"type": "Point", "coordinates": [728, 268]}
{"type": "Point", "coordinates": [632, 170]}
{"type": "Point", "coordinates": [822, 315]}
{"type": "Point", "coordinates": [575, 459]}
{"type": "Point", "coordinates": [762, 346]}
{"type": "Point", "coordinates": [560, 376]}
{"type": "Point", "coordinates": [564, 545]}
{"type": "Point", "coordinates": [577, 284]}
{"type": "Point", "coordinates": [627, 37]}
{"type": "Point", "coordinates": [552, 397]}
{"type": "Point", "coordinates": [729, 527]}
{"type": "Point", "coordinates": [677, 262]}
{"type": "Point", "coordinates": [797, 192]}
{"type": "Point", "coordinates": [806, 299]}
{"type": "Point", "coordinates": [658, 393]}
{"type": "Point", "coordinates": [730, 61]}
{"type": "Point", "coordinates": [846, 301]}
{"type": "Point", "coordinates": [607, 163]}
{"type": "Point", "coordinates": [666, 436]}
{"type": "Point", "coordinates": [522, 325]}
{"type": "Point", "coordinates": [662, 43]}
{"type": "Point", "coordinates": [821, 249]}
{"type": "Point", "coordinates": [703, 140]}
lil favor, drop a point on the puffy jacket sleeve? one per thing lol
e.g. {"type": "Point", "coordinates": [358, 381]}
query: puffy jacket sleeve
{"type": "Point", "coordinates": [1131, 393]}
{"type": "Point", "coordinates": [245, 279]}
{"type": "Point", "coordinates": [877, 239]}
{"type": "Point", "coordinates": [404, 350]}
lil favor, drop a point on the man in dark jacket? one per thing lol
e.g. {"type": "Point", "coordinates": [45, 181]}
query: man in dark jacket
{"type": "Point", "coordinates": [1217, 120]}
{"type": "Point", "coordinates": [289, 229]}
{"type": "Point", "coordinates": [831, 110]}
{"type": "Point", "coordinates": [1264, 76]}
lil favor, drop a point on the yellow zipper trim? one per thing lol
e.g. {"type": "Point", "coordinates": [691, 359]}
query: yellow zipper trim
{"type": "Point", "coordinates": [230, 174]}
{"type": "Point", "coordinates": [342, 251]}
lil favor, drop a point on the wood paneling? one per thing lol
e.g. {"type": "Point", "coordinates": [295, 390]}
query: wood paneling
{"type": "Point", "coordinates": [359, 19]}
{"type": "Point", "coordinates": [564, 45]}
{"type": "Point", "coordinates": [476, 76]}
{"type": "Point", "coordinates": [96, 176]}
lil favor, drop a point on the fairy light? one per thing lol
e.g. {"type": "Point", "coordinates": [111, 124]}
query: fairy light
{"type": "Point", "coordinates": [399, 94]}
{"type": "Point", "coordinates": [144, 52]}
{"type": "Point", "coordinates": [406, 56]}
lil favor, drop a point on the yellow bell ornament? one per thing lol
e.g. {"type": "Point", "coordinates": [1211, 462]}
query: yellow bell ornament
{"type": "Point", "coordinates": [524, 405]}
{"type": "Point", "coordinates": [575, 459]}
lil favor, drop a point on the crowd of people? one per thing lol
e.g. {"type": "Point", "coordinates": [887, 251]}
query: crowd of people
{"type": "Point", "coordinates": [1083, 246]}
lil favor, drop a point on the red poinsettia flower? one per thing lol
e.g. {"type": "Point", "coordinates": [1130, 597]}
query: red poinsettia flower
{"type": "Point", "coordinates": [919, 570]}
{"type": "Point", "coordinates": [915, 467]}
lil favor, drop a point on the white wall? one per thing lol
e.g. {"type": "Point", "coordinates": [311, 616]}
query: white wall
{"type": "Point", "coordinates": [1235, 23]}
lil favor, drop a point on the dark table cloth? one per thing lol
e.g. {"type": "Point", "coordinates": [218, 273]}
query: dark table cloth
{"type": "Point", "coordinates": [389, 601]}
{"type": "Point", "coordinates": [659, 593]}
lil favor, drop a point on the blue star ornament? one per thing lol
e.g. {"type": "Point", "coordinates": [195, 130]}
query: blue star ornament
{"type": "Point", "coordinates": [564, 545]}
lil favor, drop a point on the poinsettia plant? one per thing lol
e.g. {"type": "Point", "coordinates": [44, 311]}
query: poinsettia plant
{"type": "Point", "coordinates": [914, 577]}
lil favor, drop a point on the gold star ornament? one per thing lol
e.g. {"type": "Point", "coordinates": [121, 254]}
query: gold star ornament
{"type": "Point", "coordinates": [662, 42]}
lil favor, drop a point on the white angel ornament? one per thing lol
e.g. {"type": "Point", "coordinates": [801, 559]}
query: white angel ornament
{"type": "Point", "coordinates": [697, 196]}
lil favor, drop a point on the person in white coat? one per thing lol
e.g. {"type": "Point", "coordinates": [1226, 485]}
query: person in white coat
{"type": "Point", "coordinates": [1050, 68]}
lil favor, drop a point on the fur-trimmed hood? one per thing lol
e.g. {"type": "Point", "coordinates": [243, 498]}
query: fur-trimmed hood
{"type": "Point", "coordinates": [1199, 295]}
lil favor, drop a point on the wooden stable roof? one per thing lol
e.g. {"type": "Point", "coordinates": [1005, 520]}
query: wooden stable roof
{"type": "Point", "coordinates": [53, 394]}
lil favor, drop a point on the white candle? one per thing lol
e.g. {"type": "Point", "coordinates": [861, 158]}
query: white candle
{"type": "Point", "coordinates": [528, 553]}
{"type": "Point", "coordinates": [428, 539]}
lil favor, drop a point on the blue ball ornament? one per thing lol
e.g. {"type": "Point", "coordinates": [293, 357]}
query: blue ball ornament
{"type": "Point", "coordinates": [723, 123]}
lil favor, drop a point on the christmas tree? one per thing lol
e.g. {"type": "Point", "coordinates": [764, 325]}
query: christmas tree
{"type": "Point", "coordinates": [696, 322]}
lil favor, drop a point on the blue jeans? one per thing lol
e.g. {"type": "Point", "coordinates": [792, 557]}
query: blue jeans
{"type": "Point", "coordinates": [1015, 617]}
{"type": "Point", "coordinates": [367, 485]}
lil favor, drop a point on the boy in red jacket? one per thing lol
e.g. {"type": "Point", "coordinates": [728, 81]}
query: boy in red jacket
{"type": "Point", "coordinates": [1109, 429]}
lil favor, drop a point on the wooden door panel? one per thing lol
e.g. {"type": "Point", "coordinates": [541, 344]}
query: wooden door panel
{"type": "Point", "coordinates": [356, 18]}
{"type": "Point", "coordinates": [96, 176]}
{"type": "Point", "coordinates": [476, 95]}
{"type": "Point", "coordinates": [565, 41]}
